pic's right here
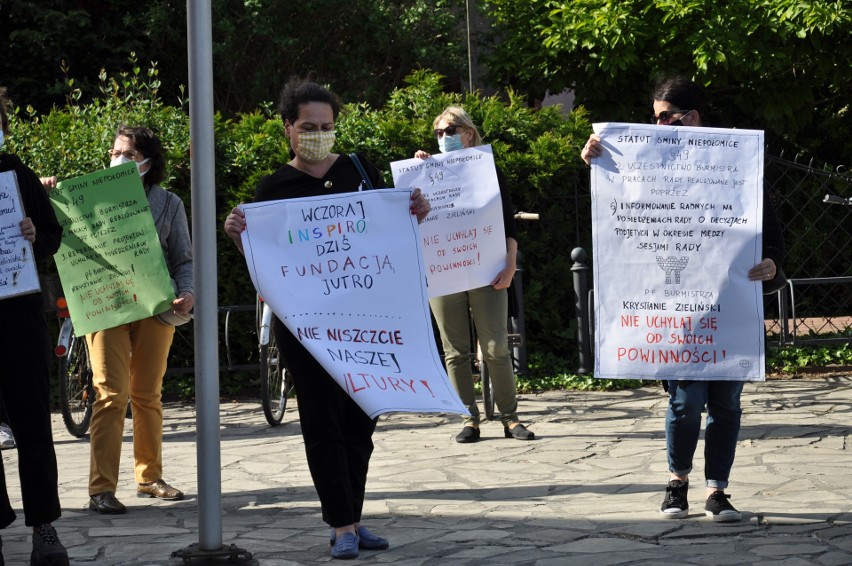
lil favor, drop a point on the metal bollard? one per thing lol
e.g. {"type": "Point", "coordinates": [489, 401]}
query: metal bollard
{"type": "Point", "coordinates": [581, 306]}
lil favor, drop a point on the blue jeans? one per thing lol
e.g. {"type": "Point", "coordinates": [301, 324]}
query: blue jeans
{"type": "Point", "coordinates": [687, 399]}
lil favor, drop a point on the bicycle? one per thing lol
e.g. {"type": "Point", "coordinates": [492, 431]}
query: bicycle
{"type": "Point", "coordinates": [76, 393]}
{"type": "Point", "coordinates": [516, 334]}
{"type": "Point", "coordinates": [276, 382]}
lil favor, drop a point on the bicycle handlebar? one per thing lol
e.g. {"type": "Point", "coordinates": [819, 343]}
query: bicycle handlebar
{"type": "Point", "coordinates": [526, 215]}
{"type": "Point", "coordinates": [834, 199]}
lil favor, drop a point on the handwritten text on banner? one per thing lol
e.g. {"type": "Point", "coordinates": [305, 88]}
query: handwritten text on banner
{"type": "Point", "coordinates": [344, 274]}
{"type": "Point", "coordinates": [677, 216]}
{"type": "Point", "coordinates": [464, 243]}
{"type": "Point", "coordinates": [110, 260]}
{"type": "Point", "coordinates": [18, 274]}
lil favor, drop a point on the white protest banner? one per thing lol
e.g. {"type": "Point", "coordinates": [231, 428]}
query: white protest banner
{"type": "Point", "coordinates": [464, 243]}
{"type": "Point", "coordinates": [344, 273]}
{"type": "Point", "coordinates": [18, 274]}
{"type": "Point", "coordinates": [677, 219]}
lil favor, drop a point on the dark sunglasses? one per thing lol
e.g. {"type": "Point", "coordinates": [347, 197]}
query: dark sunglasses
{"type": "Point", "coordinates": [667, 115]}
{"type": "Point", "coordinates": [449, 130]}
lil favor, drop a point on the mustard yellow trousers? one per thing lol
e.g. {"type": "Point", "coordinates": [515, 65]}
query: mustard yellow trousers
{"type": "Point", "coordinates": [128, 362]}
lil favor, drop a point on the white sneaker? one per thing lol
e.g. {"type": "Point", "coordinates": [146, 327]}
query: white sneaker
{"type": "Point", "coordinates": [7, 439]}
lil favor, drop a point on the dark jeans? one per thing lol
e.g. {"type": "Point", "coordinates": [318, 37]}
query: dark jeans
{"type": "Point", "coordinates": [337, 433]}
{"type": "Point", "coordinates": [687, 399]}
{"type": "Point", "coordinates": [25, 386]}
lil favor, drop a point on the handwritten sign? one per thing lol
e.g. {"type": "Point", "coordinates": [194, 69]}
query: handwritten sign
{"type": "Point", "coordinates": [464, 243]}
{"type": "Point", "coordinates": [110, 260]}
{"type": "Point", "coordinates": [677, 219]}
{"type": "Point", "coordinates": [343, 272]}
{"type": "Point", "coordinates": [18, 274]}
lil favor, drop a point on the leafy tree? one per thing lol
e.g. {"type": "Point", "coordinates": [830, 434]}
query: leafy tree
{"type": "Point", "coordinates": [778, 65]}
{"type": "Point", "coordinates": [362, 48]}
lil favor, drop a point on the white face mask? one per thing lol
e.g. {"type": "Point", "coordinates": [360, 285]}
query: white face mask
{"type": "Point", "coordinates": [121, 160]}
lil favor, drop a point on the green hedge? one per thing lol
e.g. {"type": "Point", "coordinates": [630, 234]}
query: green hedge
{"type": "Point", "coordinates": [537, 149]}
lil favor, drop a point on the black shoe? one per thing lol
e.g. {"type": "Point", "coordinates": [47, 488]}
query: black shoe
{"type": "Point", "coordinates": [47, 550]}
{"type": "Point", "coordinates": [518, 431]}
{"type": "Point", "coordinates": [468, 434]}
{"type": "Point", "coordinates": [675, 505]}
{"type": "Point", "coordinates": [720, 508]}
{"type": "Point", "coordinates": [106, 503]}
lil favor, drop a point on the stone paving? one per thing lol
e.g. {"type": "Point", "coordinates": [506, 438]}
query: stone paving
{"type": "Point", "coordinates": [586, 492]}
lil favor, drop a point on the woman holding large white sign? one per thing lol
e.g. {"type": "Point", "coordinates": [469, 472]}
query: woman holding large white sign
{"type": "Point", "coordinates": [680, 102]}
{"type": "Point", "coordinates": [336, 431]}
{"type": "Point", "coordinates": [489, 305]}
{"type": "Point", "coordinates": [25, 375]}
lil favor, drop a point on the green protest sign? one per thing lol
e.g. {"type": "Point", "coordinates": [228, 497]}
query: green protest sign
{"type": "Point", "coordinates": [110, 261]}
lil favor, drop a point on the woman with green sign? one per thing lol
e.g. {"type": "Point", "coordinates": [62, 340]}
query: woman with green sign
{"type": "Point", "coordinates": [129, 360]}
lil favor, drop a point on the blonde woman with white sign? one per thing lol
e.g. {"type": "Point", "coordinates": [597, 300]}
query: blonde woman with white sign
{"type": "Point", "coordinates": [488, 306]}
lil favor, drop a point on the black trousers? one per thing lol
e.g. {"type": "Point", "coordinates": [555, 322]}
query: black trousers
{"type": "Point", "coordinates": [25, 388]}
{"type": "Point", "coordinates": [337, 433]}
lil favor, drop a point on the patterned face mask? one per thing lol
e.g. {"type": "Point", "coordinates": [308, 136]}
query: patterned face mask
{"type": "Point", "coordinates": [315, 146]}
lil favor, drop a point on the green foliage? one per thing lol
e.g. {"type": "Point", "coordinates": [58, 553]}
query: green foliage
{"type": "Point", "coordinates": [792, 359]}
{"type": "Point", "coordinates": [364, 48]}
{"type": "Point", "coordinates": [537, 150]}
{"type": "Point", "coordinates": [778, 65]}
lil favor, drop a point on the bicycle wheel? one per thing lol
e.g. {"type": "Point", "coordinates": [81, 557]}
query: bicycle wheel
{"type": "Point", "coordinates": [275, 382]}
{"type": "Point", "coordinates": [76, 393]}
{"type": "Point", "coordinates": [487, 389]}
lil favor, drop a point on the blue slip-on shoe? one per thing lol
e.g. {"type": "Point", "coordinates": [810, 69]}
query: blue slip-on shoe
{"type": "Point", "coordinates": [366, 540]}
{"type": "Point", "coordinates": [369, 541]}
{"type": "Point", "coordinates": [345, 547]}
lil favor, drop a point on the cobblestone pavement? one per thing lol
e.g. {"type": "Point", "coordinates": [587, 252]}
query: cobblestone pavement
{"type": "Point", "coordinates": [586, 491]}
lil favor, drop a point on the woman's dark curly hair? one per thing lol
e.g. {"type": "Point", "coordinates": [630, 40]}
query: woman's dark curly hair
{"type": "Point", "coordinates": [148, 144]}
{"type": "Point", "coordinates": [299, 91]}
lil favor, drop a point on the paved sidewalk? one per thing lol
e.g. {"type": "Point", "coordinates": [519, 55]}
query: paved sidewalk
{"type": "Point", "coordinates": [586, 492]}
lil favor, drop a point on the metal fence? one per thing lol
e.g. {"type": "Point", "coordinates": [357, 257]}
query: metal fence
{"type": "Point", "coordinates": [816, 305]}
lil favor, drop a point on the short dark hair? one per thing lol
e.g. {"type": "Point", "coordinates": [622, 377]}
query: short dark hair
{"type": "Point", "coordinates": [148, 144]}
{"type": "Point", "coordinates": [5, 103]}
{"type": "Point", "coordinates": [682, 93]}
{"type": "Point", "coordinates": [299, 91]}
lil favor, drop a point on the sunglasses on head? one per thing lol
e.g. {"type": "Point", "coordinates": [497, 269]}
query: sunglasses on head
{"type": "Point", "coordinates": [667, 115]}
{"type": "Point", "coordinates": [449, 131]}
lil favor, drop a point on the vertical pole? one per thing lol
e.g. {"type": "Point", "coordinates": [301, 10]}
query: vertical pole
{"type": "Point", "coordinates": [581, 307]}
{"type": "Point", "coordinates": [469, 45]}
{"type": "Point", "coordinates": [200, 51]}
{"type": "Point", "coordinates": [519, 325]}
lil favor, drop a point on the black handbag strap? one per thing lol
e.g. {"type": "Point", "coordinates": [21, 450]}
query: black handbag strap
{"type": "Point", "coordinates": [361, 171]}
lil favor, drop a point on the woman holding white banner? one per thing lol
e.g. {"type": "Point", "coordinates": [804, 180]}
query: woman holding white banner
{"type": "Point", "coordinates": [129, 360]}
{"type": "Point", "coordinates": [25, 376]}
{"type": "Point", "coordinates": [337, 433]}
{"type": "Point", "coordinates": [488, 306]}
{"type": "Point", "coordinates": [680, 102]}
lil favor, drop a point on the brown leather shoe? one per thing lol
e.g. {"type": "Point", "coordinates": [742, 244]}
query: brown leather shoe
{"type": "Point", "coordinates": [106, 503]}
{"type": "Point", "coordinates": [158, 489]}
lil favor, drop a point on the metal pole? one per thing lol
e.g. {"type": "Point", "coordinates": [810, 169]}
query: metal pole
{"type": "Point", "coordinates": [202, 151]}
{"type": "Point", "coordinates": [469, 53]}
{"type": "Point", "coordinates": [199, 26]}
{"type": "Point", "coordinates": [581, 294]}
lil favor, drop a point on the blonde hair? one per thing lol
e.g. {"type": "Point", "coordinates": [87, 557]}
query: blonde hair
{"type": "Point", "coordinates": [456, 116]}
